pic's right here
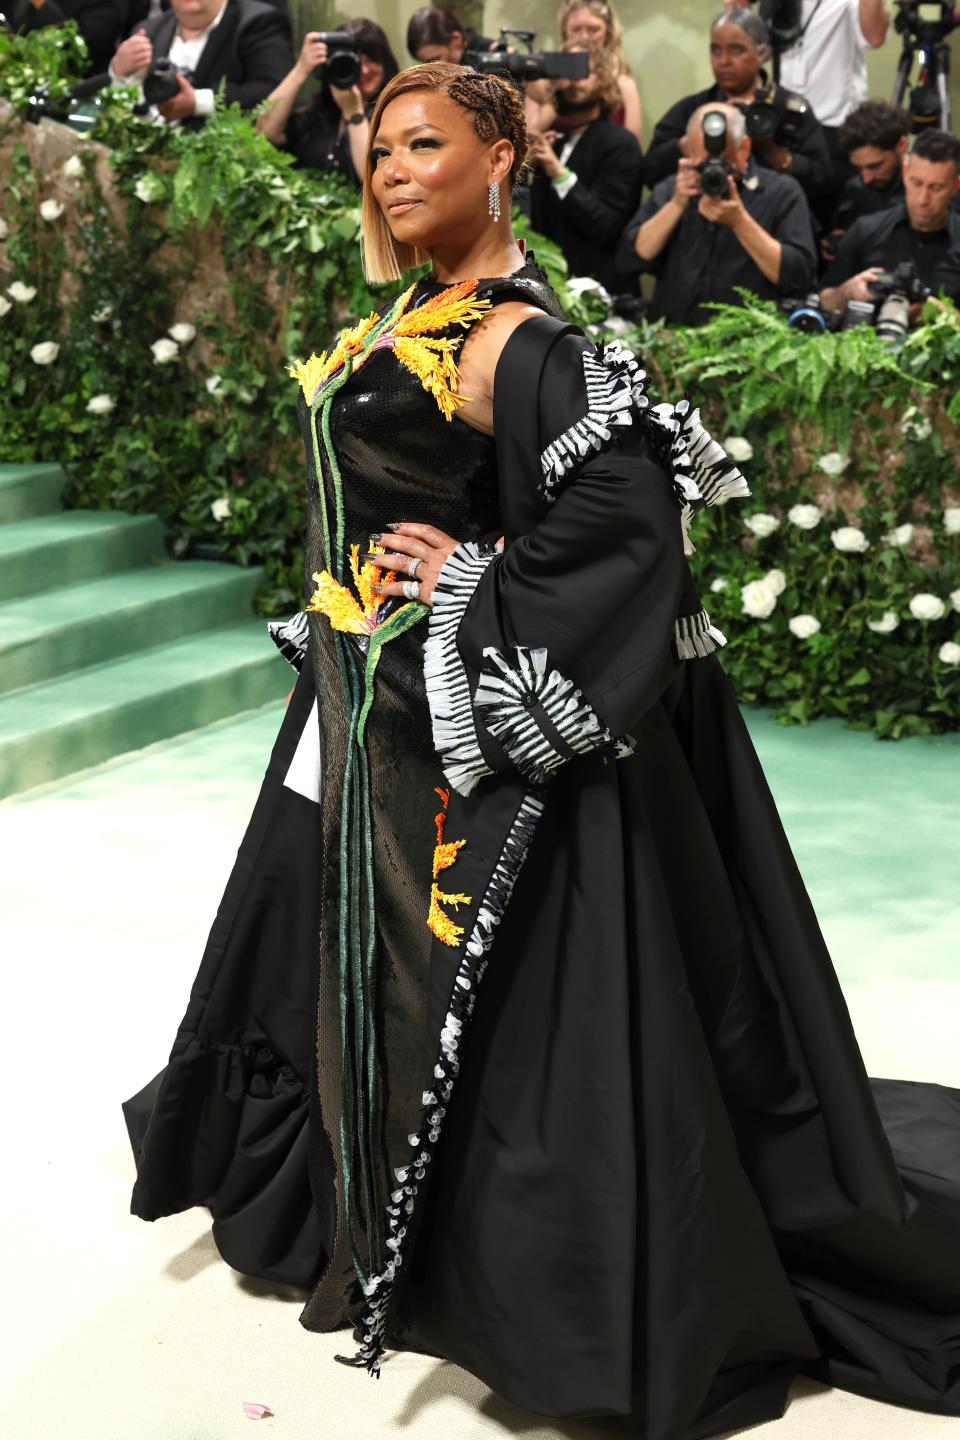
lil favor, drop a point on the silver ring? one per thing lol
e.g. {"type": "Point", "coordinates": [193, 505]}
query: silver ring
{"type": "Point", "coordinates": [411, 589]}
{"type": "Point", "coordinates": [413, 565]}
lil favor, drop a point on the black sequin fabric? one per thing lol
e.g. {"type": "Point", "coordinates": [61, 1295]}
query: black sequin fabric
{"type": "Point", "coordinates": [399, 459]}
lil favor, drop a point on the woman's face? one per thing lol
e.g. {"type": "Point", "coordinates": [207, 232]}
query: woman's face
{"type": "Point", "coordinates": [371, 77]}
{"type": "Point", "coordinates": [585, 27]}
{"type": "Point", "coordinates": [430, 170]}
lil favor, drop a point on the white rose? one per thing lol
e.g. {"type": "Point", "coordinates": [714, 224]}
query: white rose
{"type": "Point", "coordinates": [805, 517]}
{"type": "Point", "coordinates": [586, 285]}
{"type": "Point", "coordinates": [182, 333]}
{"type": "Point", "coordinates": [99, 317]}
{"type": "Point", "coordinates": [45, 353]}
{"type": "Point", "coordinates": [915, 424]}
{"type": "Point", "coordinates": [23, 294]}
{"type": "Point", "coordinates": [164, 351]}
{"type": "Point", "coordinates": [4, 229]}
{"type": "Point", "coordinates": [5, 306]}
{"type": "Point", "coordinates": [803, 626]}
{"type": "Point", "coordinates": [51, 209]}
{"type": "Point", "coordinates": [849, 539]}
{"type": "Point", "coordinates": [245, 395]}
{"type": "Point", "coordinates": [762, 524]}
{"type": "Point", "coordinates": [101, 404]}
{"type": "Point", "coordinates": [737, 447]}
{"type": "Point", "coordinates": [833, 463]}
{"type": "Point", "coordinates": [146, 189]}
{"type": "Point", "coordinates": [955, 599]}
{"type": "Point", "coordinates": [902, 535]}
{"type": "Point", "coordinates": [719, 584]}
{"type": "Point", "coordinates": [949, 653]}
{"type": "Point", "coordinates": [887, 623]}
{"type": "Point", "coordinates": [212, 383]}
{"type": "Point", "coordinates": [951, 519]}
{"type": "Point", "coordinates": [758, 598]}
{"type": "Point", "coordinates": [776, 580]}
{"type": "Point", "coordinates": [614, 325]}
{"type": "Point", "coordinates": [73, 168]}
{"type": "Point", "coordinates": [927, 607]}
{"type": "Point", "coordinates": [220, 509]}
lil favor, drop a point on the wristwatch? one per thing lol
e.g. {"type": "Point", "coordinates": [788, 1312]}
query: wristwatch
{"type": "Point", "coordinates": [357, 118]}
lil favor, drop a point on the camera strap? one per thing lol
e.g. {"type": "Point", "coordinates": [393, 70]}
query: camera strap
{"type": "Point", "coordinates": [806, 24]}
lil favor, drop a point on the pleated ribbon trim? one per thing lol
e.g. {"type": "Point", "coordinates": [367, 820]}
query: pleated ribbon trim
{"type": "Point", "coordinates": [447, 684]}
{"type": "Point", "coordinates": [378, 1290]}
{"type": "Point", "coordinates": [694, 637]}
{"type": "Point", "coordinates": [290, 637]}
{"type": "Point", "coordinates": [539, 716]}
{"type": "Point", "coordinates": [615, 385]}
{"type": "Point", "coordinates": [703, 473]}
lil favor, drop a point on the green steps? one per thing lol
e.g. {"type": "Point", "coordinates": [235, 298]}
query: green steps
{"type": "Point", "coordinates": [106, 646]}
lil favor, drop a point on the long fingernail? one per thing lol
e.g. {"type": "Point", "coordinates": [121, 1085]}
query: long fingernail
{"type": "Point", "coordinates": [370, 555]}
{"type": "Point", "coordinates": [375, 537]}
{"type": "Point", "coordinates": [395, 524]}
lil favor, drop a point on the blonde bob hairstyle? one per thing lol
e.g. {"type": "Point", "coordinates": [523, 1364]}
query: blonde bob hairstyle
{"type": "Point", "coordinates": [497, 114]}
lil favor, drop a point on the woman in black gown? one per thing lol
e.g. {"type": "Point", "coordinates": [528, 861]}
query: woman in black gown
{"type": "Point", "coordinates": [639, 1172]}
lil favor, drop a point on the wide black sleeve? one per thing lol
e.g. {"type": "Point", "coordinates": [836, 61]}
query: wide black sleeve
{"type": "Point", "coordinates": [627, 260]}
{"type": "Point", "coordinates": [555, 647]}
{"type": "Point", "coordinates": [266, 56]}
{"type": "Point", "coordinates": [812, 166]}
{"type": "Point", "coordinates": [599, 208]}
{"type": "Point", "coordinates": [663, 156]}
{"type": "Point", "coordinates": [792, 227]}
{"type": "Point", "coordinates": [850, 258]}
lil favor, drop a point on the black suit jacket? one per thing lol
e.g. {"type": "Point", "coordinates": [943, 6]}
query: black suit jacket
{"type": "Point", "coordinates": [100, 22]}
{"type": "Point", "coordinates": [250, 49]}
{"type": "Point", "coordinates": [588, 222]}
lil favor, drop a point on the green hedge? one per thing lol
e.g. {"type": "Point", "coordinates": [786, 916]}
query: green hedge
{"type": "Point", "coordinates": [215, 235]}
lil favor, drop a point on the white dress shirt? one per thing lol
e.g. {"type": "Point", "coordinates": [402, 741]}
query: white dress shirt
{"type": "Point", "coordinates": [828, 66]}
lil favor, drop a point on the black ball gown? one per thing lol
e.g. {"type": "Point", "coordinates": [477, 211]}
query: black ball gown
{"type": "Point", "coordinates": [639, 1171]}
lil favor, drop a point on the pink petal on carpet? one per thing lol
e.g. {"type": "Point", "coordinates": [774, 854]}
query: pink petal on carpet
{"type": "Point", "coordinates": [255, 1411]}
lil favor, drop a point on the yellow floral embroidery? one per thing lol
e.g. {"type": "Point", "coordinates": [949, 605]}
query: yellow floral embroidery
{"type": "Point", "coordinates": [340, 607]}
{"type": "Point", "coordinates": [444, 854]}
{"type": "Point", "coordinates": [407, 333]}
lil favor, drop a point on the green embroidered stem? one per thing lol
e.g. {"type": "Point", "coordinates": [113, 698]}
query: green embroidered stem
{"type": "Point", "coordinates": [403, 619]}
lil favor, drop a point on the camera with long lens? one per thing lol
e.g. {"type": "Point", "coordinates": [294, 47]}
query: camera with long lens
{"type": "Point", "coordinates": [522, 65]}
{"type": "Point", "coordinates": [809, 317]}
{"type": "Point", "coordinates": [893, 295]}
{"type": "Point", "coordinates": [773, 115]}
{"type": "Point", "coordinates": [162, 81]}
{"type": "Point", "coordinates": [342, 67]}
{"type": "Point", "coordinates": [715, 171]}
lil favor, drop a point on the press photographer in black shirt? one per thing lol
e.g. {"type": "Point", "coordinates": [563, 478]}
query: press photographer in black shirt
{"type": "Point", "coordinates": [874, 137]}
{"type": "Point", "coordinates": [739, 47]}
{"type": "Point", "coordinates": [921, 229]}
{"type": "Point", "coordinates": [587, 179]}
{"type": "Point", "coordinates": [700, 248]}
{"type": "Point", "coordinates": [331, 132]}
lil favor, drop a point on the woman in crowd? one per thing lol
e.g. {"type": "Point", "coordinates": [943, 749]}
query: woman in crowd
{"type": "Point", "coordinates": [332, 132]}
{"type": "Point", "coordinates": [516, 1039]}
{"type": "Point", "coordinates": [594, 23]}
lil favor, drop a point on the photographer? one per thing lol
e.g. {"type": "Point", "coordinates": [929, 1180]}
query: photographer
{"type": "Point", "coordinates": [434, 33]}
{"type": "Point", "coordinates": [244, 42]}
{"type": "Point", "coordinates": [101, 24]}
{"type": "Point", "coordinates": [921, 229]}
{"type": "Point", "coordinates": [874, 137]}
{"type": "Point", "coordinates": [702, 247]}
{"type": "Point", "coordinates": [587, 180]}
{"type": "Point", "coordinates": [786, 134]}
{"type": "Point", "coordinates": [331, 133]}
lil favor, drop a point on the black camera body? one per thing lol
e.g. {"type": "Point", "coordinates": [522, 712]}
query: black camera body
{"type": "Point", "coordinates": [926, 22]}
{"type": "Point", "coordinates": [894, 294]}
{"type": "Point", "coordinates": [162, 81]}
{"type": "Point", "coordinates": [342, 68]}
{"type": "Point", "coordinates": [522, 65]}
{"type": "Point", "coordinates": [716, 170]}
{"type": "Point", "coordinates": [809, 317]}
{"type": "Point", "coordinates": [774, 115]}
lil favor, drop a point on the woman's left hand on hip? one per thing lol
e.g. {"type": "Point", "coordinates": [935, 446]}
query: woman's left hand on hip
{"type": "Point", "coordinates": [409, 543]}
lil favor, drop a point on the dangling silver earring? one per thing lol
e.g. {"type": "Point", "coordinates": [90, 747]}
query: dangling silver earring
{"type": "Point", "coordinates": [493, 201]}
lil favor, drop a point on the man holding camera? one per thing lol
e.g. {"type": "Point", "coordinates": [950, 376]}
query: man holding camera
{"type": "Point", "coordinates": [244, 42]}
{"type": "Point", "coordinates": [587, 180]}
{"type": "Point", "coordinates": [786, 134]}
{"type": "Point", "coordinates": [921, 230]}
{"type": "Point", "coordinates": [719, 224]}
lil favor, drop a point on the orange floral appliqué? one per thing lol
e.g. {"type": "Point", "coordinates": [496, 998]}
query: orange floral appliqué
{"type": "Point", "coordinates": [342, 609]}
{"type": "Point", "coordinates": [444, 855]}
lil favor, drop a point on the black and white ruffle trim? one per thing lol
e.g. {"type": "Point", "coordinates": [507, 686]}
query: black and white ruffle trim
{"type": "Point", "coordinates": [539, 716]}
{"type": "Point", "coordinates": [615, 387]}
{"type": "Point", "coordinates": [694, 637]}
{"type": "Point", "coordinates": [703, 472]}
{"type": "Point", "coordinates": [379, 1288]}
{"type": "Point", "coordinates": [290, 637]}
{"type": "Point", "coordinates": [447, 685]}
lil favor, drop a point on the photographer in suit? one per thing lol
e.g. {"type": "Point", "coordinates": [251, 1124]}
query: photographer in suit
{"type": "Point", "coordinates": [701, 246]}
{"type": "Point", "coordinates": [792, 142]}
{"type": "Point", "coordinates": [244, 42]}
{"type": "Point", "coordinates": [587, 180]}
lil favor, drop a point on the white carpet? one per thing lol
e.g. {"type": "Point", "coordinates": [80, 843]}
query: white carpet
{"type": "Point", "coordinates": [113, 1328]}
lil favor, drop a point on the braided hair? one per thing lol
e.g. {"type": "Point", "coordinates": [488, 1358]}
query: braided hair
{"type": "Point", "coordinates": [497, 112]}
